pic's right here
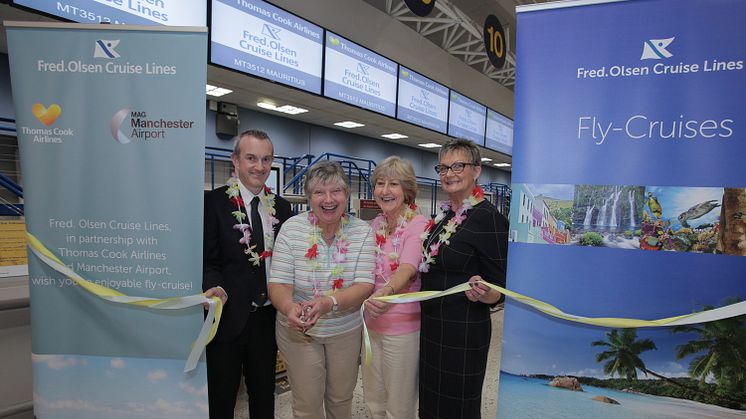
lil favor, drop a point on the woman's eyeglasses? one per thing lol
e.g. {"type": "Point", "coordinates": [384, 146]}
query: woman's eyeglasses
{"type": "Point", "coordinates": [456, 167]}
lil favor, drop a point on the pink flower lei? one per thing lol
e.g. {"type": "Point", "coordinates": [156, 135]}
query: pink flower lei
{"type": "Point", "coordinates": [268, 201]}
{"type": "Point", "coordinates": [429, 253]}
{"type": "Point", "coordinates": [381, 238]}
{"type": "Point", "coordinates": [339, 257]}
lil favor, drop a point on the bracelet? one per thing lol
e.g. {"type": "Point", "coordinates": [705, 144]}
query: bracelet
{"type": "Point", "coordinates": [393, 291]}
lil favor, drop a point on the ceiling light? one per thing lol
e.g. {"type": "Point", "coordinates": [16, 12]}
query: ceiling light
{"type": "Point", "coordinates": [349, 124]}
{"type": "Point", "coordinates": [288, 109]}
{"type": "Point", "coordinates": [291, 110]}
{"type": "Point", "coordinates": [502, 164]}
{"type": "Point", "coordinates": [430, 145]}
{"type": "Point", "coordinates": [486, 159]}
{"type": "Point", "coordinates": [266, 105]}
{"type": "Point", "coordinates": [394, 136]}
{"type": "Point", "coordinates": [216, 91]}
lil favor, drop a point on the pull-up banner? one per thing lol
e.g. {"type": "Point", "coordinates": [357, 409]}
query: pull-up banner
{"type": "Point", "coordinates": [628, 201]}
{"type": "Point", "coordinates": [111, 135]}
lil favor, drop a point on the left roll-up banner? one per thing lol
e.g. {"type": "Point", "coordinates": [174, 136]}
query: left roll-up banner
{"type": "Point", "coordinates": [111, 127]}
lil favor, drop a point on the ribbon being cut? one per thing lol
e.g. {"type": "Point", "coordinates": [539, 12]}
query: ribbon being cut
{"type": "Point", "coordinates": [209, 327]}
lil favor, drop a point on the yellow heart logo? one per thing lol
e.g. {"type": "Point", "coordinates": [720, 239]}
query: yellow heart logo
{"type": "Point", "coordinates": [47, 116]}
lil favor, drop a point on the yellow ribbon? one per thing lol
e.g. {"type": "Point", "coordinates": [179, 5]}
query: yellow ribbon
{"type": "Point", "coordinates": [209, 327]}
{"type": "Point", "coordinates": [732, 310]}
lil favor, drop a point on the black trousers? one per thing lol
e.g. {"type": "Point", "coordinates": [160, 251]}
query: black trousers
{"type": "Point", "coordinates": [254, 354]}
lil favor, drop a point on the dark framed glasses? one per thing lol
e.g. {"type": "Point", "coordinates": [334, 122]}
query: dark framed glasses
{"type": "Point", "coordinates": [456, 167]}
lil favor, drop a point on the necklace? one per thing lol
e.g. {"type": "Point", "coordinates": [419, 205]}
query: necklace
{"type": "Point", "coordinates": [381, 237]}
{"type": "Point", "coordinates": [429, 253]}
{"type": "Point", "coordinates": [268, 201]}
{"type": "Point", "coordinates": [339, 257]}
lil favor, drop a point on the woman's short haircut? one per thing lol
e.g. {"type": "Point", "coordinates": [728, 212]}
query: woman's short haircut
{"type": "Point", "coordinates": [325, 172]}
{"type": "Point", "coordinates": [461, 144]}
{"type": "Point", "coordinates": [395, 167]}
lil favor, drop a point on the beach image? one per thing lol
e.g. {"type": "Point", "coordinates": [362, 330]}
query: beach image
{"type": "Point", "coordinates": [117, 388]}
{"type": "Point", "coordinates": [554, 368]}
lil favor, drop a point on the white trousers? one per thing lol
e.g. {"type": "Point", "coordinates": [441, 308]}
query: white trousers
{"type": "Point", "coordinates": [390, 381]}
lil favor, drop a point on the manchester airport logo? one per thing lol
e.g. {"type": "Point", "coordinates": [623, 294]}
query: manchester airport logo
{"type": "Point", "coordinates": [271, 31]}
{"type": "Point", "coordinates": [105, 48]}
{"type": "Point", "coordinates": [655, 49]}
{"type": "Point", "coordinates": [129, 125]}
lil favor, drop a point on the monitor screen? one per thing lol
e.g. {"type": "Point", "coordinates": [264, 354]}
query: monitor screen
{"type": "Point", "coordinates": [466, 118]}
{"type": "Point", "coordinates": [359, 76]}
{"type": "Point", "coordinates": [422, 101]}
{"type": "Point", "coordinates": [130, 12]}
{"type": "Point", "coordinates": [499, 133]}
{"type": "Point", "coordinates": [256, 38]}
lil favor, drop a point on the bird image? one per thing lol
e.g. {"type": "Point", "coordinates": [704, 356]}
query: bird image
{"type": "Point", "coordinates": [697, 211]}
{"type": "Point", "coordinates": [654, 206]}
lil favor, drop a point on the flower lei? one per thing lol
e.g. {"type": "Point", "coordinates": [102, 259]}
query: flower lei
{"type": "Point", "coordinates": [268, 201]}
{"type": "Point", "coordinates": [429, 254]}
{"type": "Point", "coordinates": [393, 257]}
{"type": "Point", "coordinates": [339, 257]}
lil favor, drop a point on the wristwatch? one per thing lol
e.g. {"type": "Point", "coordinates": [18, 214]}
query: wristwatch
{"type": "Point", "coordinates": [335, 304]}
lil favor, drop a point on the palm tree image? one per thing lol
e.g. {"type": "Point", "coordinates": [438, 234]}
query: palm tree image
{"type": "Point", "coordinates": [720, 353]}
{"type": "Point", "coordinates": [623, 354]}
{"type": "Point", "coordinates": [725, 346]}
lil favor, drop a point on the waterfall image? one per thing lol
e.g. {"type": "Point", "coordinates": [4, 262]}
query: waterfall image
{"type": "Point", "coordinates": [608, 216]}
{"type": "Point", "coordinates": [631, 199]}
{"type": "Point", "coordinates": [588, 216]}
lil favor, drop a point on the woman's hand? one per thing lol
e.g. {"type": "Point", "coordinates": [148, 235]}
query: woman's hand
{"type": "Point", "coordinates": [296, 319]}
{"type": "Point", "coordinates": [377, 308]}
{"type": "Point", "coordinates": [317, 308]}
{"type": "Point", "coordinates": [215, 292]}
{"type": "Point", "coordinates": [480, 292]}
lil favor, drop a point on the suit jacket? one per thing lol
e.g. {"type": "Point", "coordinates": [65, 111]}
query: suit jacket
{"type": "Point", "coordinates": [225, 264]}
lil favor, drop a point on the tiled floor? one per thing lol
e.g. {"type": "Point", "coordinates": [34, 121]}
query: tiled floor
{"type": "Point", "coordinates": [283, 409]}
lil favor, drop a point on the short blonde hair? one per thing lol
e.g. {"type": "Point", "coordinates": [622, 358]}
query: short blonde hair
{"type": "Point", "coordinates": [397, 168]}
{"type": "Point", "coordinates": [325, 172]}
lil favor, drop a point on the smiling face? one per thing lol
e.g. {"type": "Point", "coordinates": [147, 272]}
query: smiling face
{"type": "Point", "coordinates": [253, 162]}
{"type": "Point", "coordinates": [328, 202]}
{"type": "Point", "coordinates": [389, 195]}
{"type": "Point", "coordinates": [458, 186]}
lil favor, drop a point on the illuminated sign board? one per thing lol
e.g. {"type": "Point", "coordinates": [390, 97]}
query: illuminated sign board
{"type": "Point", "coordinates": [466, 118]}
{"type": "Point", "coordinates": [131, 12]}
{"type": "Point", "coordinates": [359, 76]}
{"type": "Point", "coordinates": [422, 101]}
{"type": "Point", "coordinates": [499, 133]}
{"type": "Point", "coordinates": [256, 38]}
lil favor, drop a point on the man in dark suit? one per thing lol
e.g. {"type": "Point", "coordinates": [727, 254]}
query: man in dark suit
{"type": "Point", "coordinates": [241, 222]}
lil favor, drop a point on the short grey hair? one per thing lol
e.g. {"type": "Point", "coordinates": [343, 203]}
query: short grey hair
{"type": "Point", "coordinates": [461, 144]}
{"type": "Point", "coordinates": [397, 168]}
{"type": "Point", "coordinates": [325, 172]}
{"type": "Point", "coordinates": [259, 135]}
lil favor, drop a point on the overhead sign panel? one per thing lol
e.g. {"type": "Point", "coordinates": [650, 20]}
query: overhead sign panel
{"type": "Point", "coordinates": [131, 12]}
{"type": "Point", "coordinates": [422, 101]}
{"type": "Point", "coordinates": [499, 133]}
{"type": "Point", "coordinates": [466, 118]}
{"type": "Point", "coordinates": [256, 38]}
{"type": "Point", "coordinates": [358, 76]}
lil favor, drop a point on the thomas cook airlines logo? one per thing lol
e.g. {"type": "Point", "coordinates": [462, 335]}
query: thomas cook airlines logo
{"type": "Point", "coordinates": [105, 48]}
{"type": "Point", "coordinates": [271, 31]}
{"type": "Point", "coordinates": [655, 49]}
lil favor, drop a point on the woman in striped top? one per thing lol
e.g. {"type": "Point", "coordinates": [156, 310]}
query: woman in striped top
{"type": "Point", "coordinates": [321, 273]}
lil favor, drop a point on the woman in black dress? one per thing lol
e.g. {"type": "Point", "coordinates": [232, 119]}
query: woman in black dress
{"type": "Point", "coordinates": [468, 241]}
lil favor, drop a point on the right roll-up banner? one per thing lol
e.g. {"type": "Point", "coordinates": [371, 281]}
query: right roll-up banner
{"type": "Point", "coordinates": [629, 201]}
